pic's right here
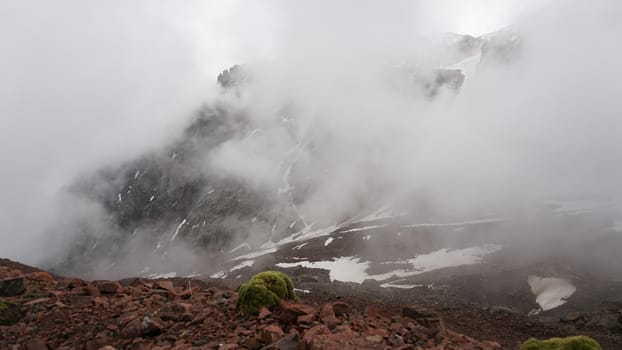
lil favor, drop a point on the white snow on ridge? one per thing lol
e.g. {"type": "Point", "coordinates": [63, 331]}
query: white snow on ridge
{"type": "Point", "coordinates": [298, 247]}
{"type": "Point", "coordinates": [219, 274]}
{"type": "Point", "coordinates": [328, 241]}
{"type": "Point", "coordinates": [382, 213]}
{"type": "Point", "coordinates": [306, 234]}
{"type": "Point", "coordinates": [363, 228]}
{"type": "Point", "coordinates": [178, 228]}
{"type": "Point", "coordinates": [162, 275]}
{"type": "Point", "coordinates": [345, 268]}
{"type": "Point", "coordinates": [243, 264]}
{"type": "Point", "coordinates": [550, 292]}
{"type": "Point", "coordinates": [352, 269]}
{"type": "Point", "coordinates": [400, 286]}
{"type": "Point", "coordinates": [243, 245]}
{"type": "Point", "coordinates": [459, 223]}
{"type": "Point", "coordinates": [256, 254]}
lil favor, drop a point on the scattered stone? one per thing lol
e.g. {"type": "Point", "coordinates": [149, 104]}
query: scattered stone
{"type": "Point", "coordinates": [42, 276]}
{"type": "Point", "coordinates": [10, 287]}
{"type": "Point", "coordinates": [417, 312]}
{"type": "Point", "coordinates": [291, 311]}
{"type": "Point", "coordinates": [289, 342]}
{"type": "Point", "coordinates": [263, 313]}
{"type": "Point", "coordinates": [69, 314]}
{"type": "Point", "coordinates": [327, 316]}
{"type": "Point", "coordinates": [109, 287]}
{"type": "Point", "coordinates": [9, 313]}
{"type": "Point", "coordinates": [340, 308]}
{"type": "Point", "coordinates": [271, 334]}
{"type": "Point", "coordinates": [36, 343]}
{"type": "Point", "coordinates": [374, 339]}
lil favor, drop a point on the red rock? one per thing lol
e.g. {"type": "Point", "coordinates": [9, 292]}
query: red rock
{"type": "Point", "coordinates": [98, 301]}
{"type": "Point", "coordinates": [166, 285]}
{"type": "Point", "coordinates": [340, 308]}
{"type": "Point", "coordinates": [291, 311]}
{"type": "Point", "coordinates": [327, 316]}
{"type": "Point", "coordinates": [80, 300]}
{"type": "Point", "coordinates": [263, 313]}
{"type": "Point", "coordinates": [143, 326]}
{"type": "Point", "coordinates": [36, 343]}
{"type": "Point", "coordinates": [37, 301]}
{"type": "Point", "coordinates": [228, 346]}
{"type": "Point", "coordinates": [288, 342]}
{"type": "Point", "coordinates": [126, 318]}
{"type": "Point", "coordinates": [75, 283]}
{"type": "Point", "coordinates": [109, 287]}
{"type": "Point", "coordinates": [374, 339]}
{"type": "Point", "coordinates": [91, 290]}
{"type": "Point", "coordinates": [305, 319]}
{"type": "Point", "coordinates": [271, 334]}
{"type": "Point", "coordinates": [417, 312]}
{"type": "Point", "coordinates": [435, 325]}
{"type": "Point", "coordinates": [379, 331]}
{"type": "Point", "coordinates": [42, 276]}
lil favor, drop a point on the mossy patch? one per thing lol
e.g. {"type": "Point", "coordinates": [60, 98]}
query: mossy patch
{"type": "Point", "coordinates": [9, 313]}
{"type": "Point", "coordinates": [267, 289]}
{"type": "Point", "coordinates": [579, 342]}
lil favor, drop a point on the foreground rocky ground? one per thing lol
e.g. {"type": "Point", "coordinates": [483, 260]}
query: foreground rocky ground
{"type": "Point", "coordinates": [46, 312]}
{"type": "Point", "coordinates": [42, 311]}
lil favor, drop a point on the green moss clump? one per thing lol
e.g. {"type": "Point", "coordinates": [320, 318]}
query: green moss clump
{"type": "Point", "coordinates": [579, 342]}
{"type": "Point", "coordinates": [267, 289]}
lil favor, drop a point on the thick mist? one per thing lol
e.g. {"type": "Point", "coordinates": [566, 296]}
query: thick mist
{"type": "Point", "coordinates": [541, 126]}
{"type": "Point", "coordinates": [330, 99]}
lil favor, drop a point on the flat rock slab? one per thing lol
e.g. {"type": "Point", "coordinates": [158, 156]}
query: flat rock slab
{"type": "Point", "coordinates": [11, 287]}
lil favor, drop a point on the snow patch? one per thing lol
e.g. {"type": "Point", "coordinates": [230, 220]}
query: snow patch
{"type": "Point", "coordinates": [400, 286]}
{"type": "Point", "coordinates": [162, 275]}
{"type": "Point", "coordinates": [243, 264]}
{"type": "Point", "coordinates": [298, 247]}
{"type": "Point", "coordinates": [550, 292]}
{"type": "Point", "coordinates": [243, 245]}
{"type": "Point", "coordinates": [219, 274]}
{"type": "Point", "coordinates": [328, 241]}
{"type": "Point", "coordinates": [362, 228]}
{"type": "Point", "coordinates": [256, 254]}
{"type": "Point", "coordinates": [460, 223]}
{"type": "Point", "coordinates": [346, 268]}
{"type": "Point", "coordinates": [352, 269]}
{"type": "Point", "coordinates": [178, 228]}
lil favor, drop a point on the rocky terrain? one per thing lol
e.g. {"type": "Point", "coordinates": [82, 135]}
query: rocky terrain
{"type": "Point", "coordinates": [41, 312]}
